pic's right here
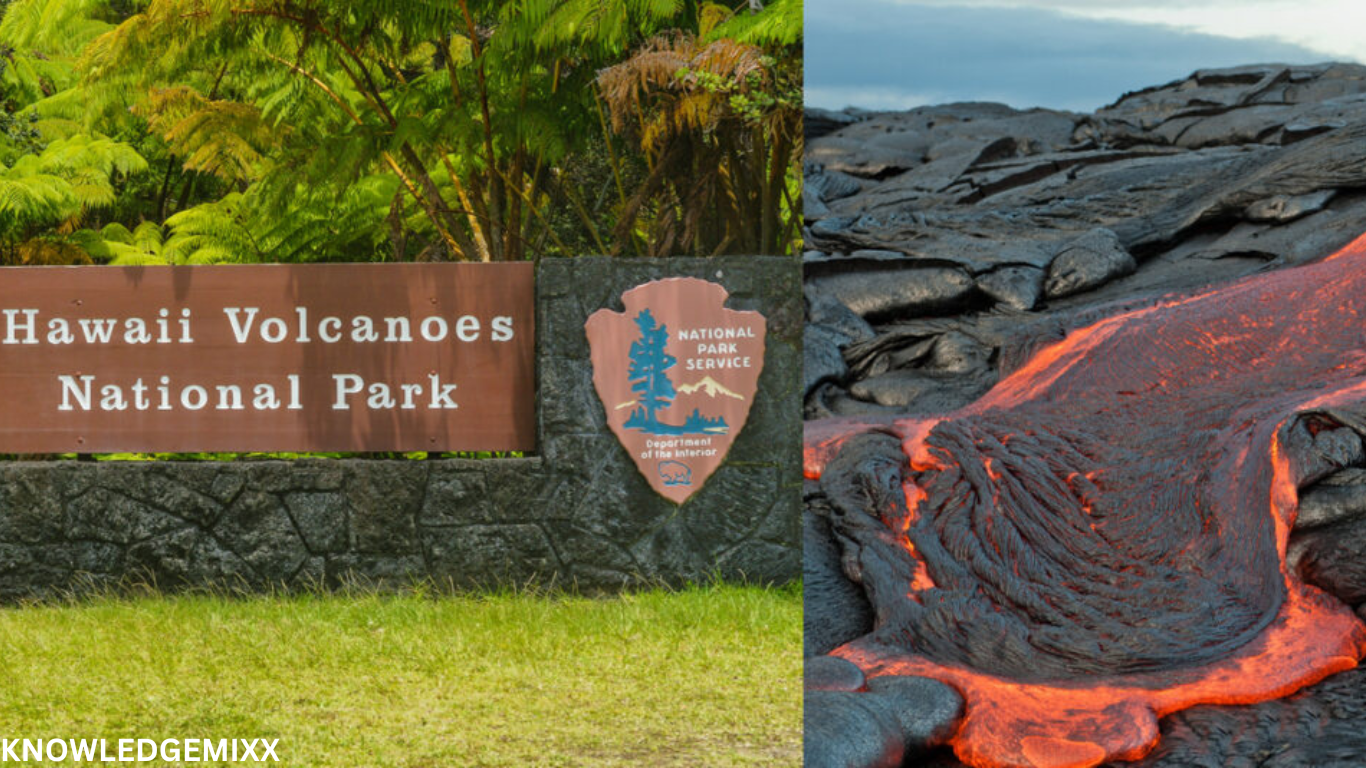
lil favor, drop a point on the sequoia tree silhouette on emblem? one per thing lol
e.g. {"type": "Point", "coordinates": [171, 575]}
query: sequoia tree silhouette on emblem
{"type": "Point", "coordinates": [676, 372]}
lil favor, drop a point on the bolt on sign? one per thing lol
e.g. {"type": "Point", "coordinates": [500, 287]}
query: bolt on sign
{"type": "Point", "coordinates": [676, 373]}
{"type": "Point", "coordinates": [325, 357]}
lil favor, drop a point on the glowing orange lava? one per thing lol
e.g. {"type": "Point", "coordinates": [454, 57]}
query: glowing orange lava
{"type": "Point", "coordinates": [1294, 340]}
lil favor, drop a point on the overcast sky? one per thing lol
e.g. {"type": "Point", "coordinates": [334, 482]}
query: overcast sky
{"type": "Point", "coordinates": [1066, 54]}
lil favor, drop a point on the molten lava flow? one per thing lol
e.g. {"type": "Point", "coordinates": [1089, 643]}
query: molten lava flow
{"type": "Point", "coordinates": [1100, 540]}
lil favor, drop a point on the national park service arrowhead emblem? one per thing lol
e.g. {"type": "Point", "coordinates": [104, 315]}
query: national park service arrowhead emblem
{"type": "Point", "coordinates": [676, 373]}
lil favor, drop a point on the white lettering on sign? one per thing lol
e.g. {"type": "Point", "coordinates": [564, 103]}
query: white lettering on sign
{"type": "Point", "coordinates": [26, 327]}
{"type": "Point", "coordinates": [22, 326]}
{"type": "Point", "coordinates": [713, 364]}
{"type": "Point", "coordinates": [363, 329]}
{"type": "Point", "coordinates": [712, 334]}
{"type": "Point", "coordinates": [78, 393]}
{"type": "Point", "coordinates": [88, 393]}
{"type": "Point", "coordinates": [381, 396]}
{"type": "Point", "coordinates": [714, 350]}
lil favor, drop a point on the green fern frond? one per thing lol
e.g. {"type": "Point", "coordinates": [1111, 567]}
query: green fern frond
{"type": "Point", "coordinates": [131, 256]}
{"type": "Point", "coordinates": [93, 243]}
{"type": "Point", "coordinates": [27, 197]}
{"type": "Point", "coordinates": [116, 233]}
{"type": "Point", "coordinates": [148, 236]}
{"type": "Point", "coordinates": [82, 154]}
{"type": "Point", "coordinates": [778, 25]}
{"type": "Point", "coordinates": [56, 26]}
{"type": "Point", "coordinates": [29, 77]}
{"type": "Point", "coordinates": [69, 177]}
{"type": "Point", "coordinates": [214, 232]}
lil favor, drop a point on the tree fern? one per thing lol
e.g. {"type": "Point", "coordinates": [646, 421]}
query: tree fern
{"type": "Point", "coordinates": [59, 116]}
{"type": "Point", "coordinates": [320, 226]}
{"type": "Point", "coordinates": [19, 135]}
{"type": "Point", "coordinates": [779, 24]}
{"type": "Point", "coordinates": [215, 232]}
{"type": "Point", "coordinates": [221, 137]}
{"type": "Point", "coordinates": [61, 27]}
{"type": "Point", "coordinates": [29, 197]}
{"type": "Point", "coordinates": [307, 129]}
{"type": "Point", "coordinates": [29, 77]}
{"type": "Point", "coordinates": [90, 155]}
{"type": "Point", "coordinates": [721, 123]}
{"type": "Point", "coordinates": [603, 26]}
{"type": "Point", "coordinates": [69, 178]}
{"type": "Point", "coordinates": [144, 246]}
{"type": "Point", "coordinates": [39, 42]}
{"type": "Point", "coordinates": [348, 228]}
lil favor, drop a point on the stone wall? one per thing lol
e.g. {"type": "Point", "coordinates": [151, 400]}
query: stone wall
{"type": "Point", "coordinates": [579, 513]}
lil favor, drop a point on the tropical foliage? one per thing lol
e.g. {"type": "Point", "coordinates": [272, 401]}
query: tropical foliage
{"type": "Point", "coordinates": [200, 131]}
{"type": "Point", "coordinates": [718, 117]}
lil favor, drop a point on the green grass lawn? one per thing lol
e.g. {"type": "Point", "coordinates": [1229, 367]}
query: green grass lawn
{"type": "Point", "coordinates": [700, 677]}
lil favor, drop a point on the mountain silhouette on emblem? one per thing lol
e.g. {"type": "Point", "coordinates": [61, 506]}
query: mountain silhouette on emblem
{"type": "Point", "coordinates": [710, 386]}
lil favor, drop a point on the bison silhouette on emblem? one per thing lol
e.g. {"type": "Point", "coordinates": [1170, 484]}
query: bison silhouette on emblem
{"type": "Point", "coordinates": [675, 473]}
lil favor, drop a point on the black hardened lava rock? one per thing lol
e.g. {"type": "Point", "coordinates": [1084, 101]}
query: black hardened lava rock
{"type": "Point", "coordinates": [895, 721]}
{"type": "Point", "coordinates": [836, 610]}
{"type": "Point", "coordinates": [831, 673]}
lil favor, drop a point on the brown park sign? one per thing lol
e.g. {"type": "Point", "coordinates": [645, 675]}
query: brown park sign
{"type": "Point", "coordinates": [344, 357]}
{"type": "Point", "coordinates": [676, 373]}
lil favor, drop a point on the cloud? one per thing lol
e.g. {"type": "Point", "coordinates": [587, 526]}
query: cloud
{"type": "Point", "coordinates": [879, 98]}
{"type": "Point", "coordinates": [1332, 27]}
{"type": "Point", "coordinates": [906, 54]}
